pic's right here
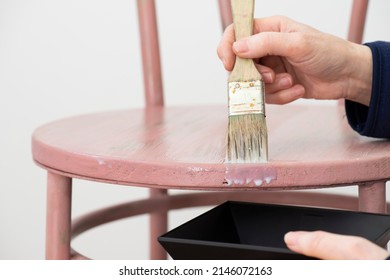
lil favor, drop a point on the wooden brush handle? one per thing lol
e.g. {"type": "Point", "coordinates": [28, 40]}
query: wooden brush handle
{"type": "Point", "coordinates": [242, 12]}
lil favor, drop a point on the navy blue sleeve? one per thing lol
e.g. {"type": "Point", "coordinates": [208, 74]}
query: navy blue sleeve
{"type": "Point", "coordinates": [388, 258]}
{"type": "Point", "coordinates": [374, 121]}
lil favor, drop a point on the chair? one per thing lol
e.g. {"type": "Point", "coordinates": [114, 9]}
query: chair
{"type": "Point", "coordinates": [153, 148]}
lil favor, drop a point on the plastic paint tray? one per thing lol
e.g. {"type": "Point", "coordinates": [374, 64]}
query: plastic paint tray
{"type": "Point", "coordinates": [240, 230]}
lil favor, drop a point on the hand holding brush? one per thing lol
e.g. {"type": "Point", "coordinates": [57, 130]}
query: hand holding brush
{"type": "Point", "coordinates": [298, 61]}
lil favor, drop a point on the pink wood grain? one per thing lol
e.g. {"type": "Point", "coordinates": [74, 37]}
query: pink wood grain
{"type": "Point", "coordinates": [185, 148]}
{"type": "Point", "coordinates": [58, 217]}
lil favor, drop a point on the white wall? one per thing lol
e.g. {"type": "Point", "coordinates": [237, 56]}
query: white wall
{"type": "Point", "coordinates": [59, 58]}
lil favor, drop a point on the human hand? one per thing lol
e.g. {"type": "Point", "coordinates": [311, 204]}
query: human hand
{"type": "Point", "coordinates": [297, 61]}
{"type": "Point", "coordinates": [330, 246]}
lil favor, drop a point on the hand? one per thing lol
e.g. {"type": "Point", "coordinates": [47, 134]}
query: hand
{"type": "Point", "coordinates": [299, 61]}
{"type": "Point", "coordinates": [330, 246]}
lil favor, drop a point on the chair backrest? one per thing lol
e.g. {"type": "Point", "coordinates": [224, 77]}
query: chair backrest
{"type": "Point", "coordinates": [151, 62]}
{"type": "Point", "coordinates": [153, 84]}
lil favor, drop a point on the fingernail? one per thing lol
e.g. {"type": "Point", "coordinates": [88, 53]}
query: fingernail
{"type": "Point", "coordinates": [240, 46]}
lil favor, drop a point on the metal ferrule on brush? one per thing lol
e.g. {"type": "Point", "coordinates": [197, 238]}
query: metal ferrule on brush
{"type": "Point", "coordinates": [247, 131]}
{"type": "Point", "coordinates": [246, 98]}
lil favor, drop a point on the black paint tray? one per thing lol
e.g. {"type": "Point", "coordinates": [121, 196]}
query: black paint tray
{"type": "Point", "coordinates": [240, 230]}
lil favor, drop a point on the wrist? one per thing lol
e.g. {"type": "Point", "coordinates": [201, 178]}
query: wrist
{"type": "Point", "coordinates": [360, 78]}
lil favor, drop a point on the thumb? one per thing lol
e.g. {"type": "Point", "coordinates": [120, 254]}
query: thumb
{"type": "Point", "coordinates": [269, 43]}
{"type": "Point", "coordinates": [330, 246]}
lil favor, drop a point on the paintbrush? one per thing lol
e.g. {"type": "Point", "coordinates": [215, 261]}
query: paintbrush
{"type": "Point", "coordinates": [247, 131]}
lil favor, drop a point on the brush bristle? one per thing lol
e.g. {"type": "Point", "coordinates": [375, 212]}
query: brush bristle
{"type": "Point", "coordinates": [247, 139]}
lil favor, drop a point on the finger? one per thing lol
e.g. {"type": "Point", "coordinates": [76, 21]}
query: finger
{"type": "Point", "coordinates": [273, 62]}
{"type": "Point", "coordinates": [270, 43]}
{"type": "Point", "coordinates": [267, 24]}
{"type": "Point", "coordinates": [330, 246]}
{"type": "Point", "coordinates": [273, 24]}
{"type": "Point", "coordinates": [281, 81]}
{"type": "Point", "coordinates": [316, 244]}
{"type": "Point", "coordinates": [286, 95]}
{"type": "Point", "coordinates": [278, 24]}
{"type": "Point", "coordinates": [225, 51]}
{"type": "Point", "coordinates": [267, 73]}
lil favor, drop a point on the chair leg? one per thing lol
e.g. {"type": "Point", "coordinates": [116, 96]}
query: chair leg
{"type": "Point", "coordinates": [58, 217]}
{"type": "Point", "coordinates": [158, 226]}
{"type": "Point", "coordinates": [372, 197]}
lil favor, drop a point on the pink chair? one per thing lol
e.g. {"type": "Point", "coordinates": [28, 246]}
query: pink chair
{"type": "Point", "coordinates": [164, 148]}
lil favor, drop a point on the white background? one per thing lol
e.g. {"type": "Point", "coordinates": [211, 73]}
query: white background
{"type": "Point", "coordinates": [64, 57]}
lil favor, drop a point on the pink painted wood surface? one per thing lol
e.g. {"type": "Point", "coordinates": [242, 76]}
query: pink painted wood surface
{"type": "Point", "coordinates": [357, 21]}
{"type": "Point", "coordinates": [158, 226]}
{"type": "Point", "coordinates": [153, 87]}
{"type": "Point", "coordinates": [150, 53]}
{"type": "Point", "coordinates": [58, 217]}
{"type": "Point", "coordinates": [372, 197]}
{"type": "Point", "coordinates": [185, 148]}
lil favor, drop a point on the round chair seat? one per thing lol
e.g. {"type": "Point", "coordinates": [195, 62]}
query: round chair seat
{"type": "Point", "coordinates": [184, 147]}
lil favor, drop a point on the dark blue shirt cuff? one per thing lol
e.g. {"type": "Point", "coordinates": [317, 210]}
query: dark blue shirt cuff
{"type": "Point", "coordinates": [374, 121]}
